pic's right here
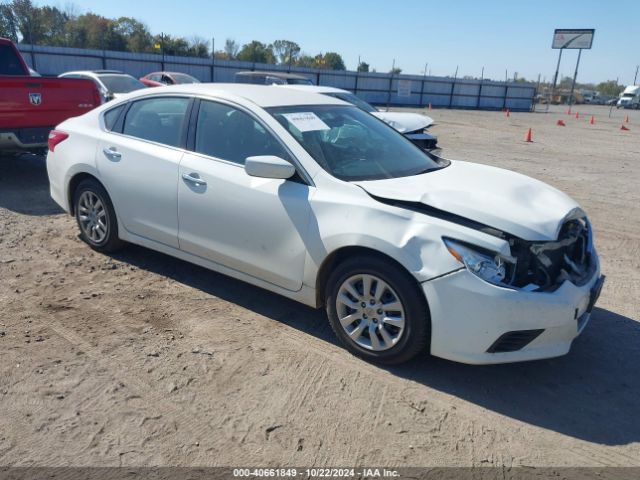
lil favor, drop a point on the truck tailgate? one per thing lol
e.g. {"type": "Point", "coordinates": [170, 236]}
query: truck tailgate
{"type": "Point", "coordinates": [29, 102]}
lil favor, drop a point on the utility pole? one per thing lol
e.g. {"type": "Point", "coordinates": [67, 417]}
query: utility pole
{"type": "Point", "coordinates": [636, 77]}
{"type": "Point", "coordinates": [213, 58]}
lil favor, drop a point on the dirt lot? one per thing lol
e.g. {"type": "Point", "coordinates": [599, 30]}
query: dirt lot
{"type": "Point", "coordinates": [140, 359]}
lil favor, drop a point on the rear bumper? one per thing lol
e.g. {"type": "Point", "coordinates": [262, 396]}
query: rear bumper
{"type": "Point", "coordinates": [470, 318]}
{"type": "Point", "coordinates": [24, 138]}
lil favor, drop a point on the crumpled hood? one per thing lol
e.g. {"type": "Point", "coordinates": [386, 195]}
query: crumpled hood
{"type": "Point", "coordinates": [505, 200]}
{"type": "Point", "coordinates": [405, 122]}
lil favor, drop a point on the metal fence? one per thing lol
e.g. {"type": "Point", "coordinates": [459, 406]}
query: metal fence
{"type": "Point", "coordinates": [375, 88]}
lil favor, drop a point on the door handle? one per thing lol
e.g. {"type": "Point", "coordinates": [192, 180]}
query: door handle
{"type": "Point", "coordinates": [111, 153]}
{"type": "Point", "coordinates": [191, 179]}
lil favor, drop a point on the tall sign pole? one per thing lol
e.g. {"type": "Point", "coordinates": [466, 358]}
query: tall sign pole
{"type": "Point", "coordinates": [578, 39]}
{"type": "Point", "coordinates": [575, 75]}
{"type": "Point", "coordinates": [555, 77]}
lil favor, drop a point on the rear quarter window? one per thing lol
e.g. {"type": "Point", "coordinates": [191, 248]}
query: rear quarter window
{"type": "Point", "coordinates": [111, 117]}
{"type": "Point", "coordinates": [9, 62]}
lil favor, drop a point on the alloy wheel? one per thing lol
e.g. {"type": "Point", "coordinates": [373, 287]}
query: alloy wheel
{"type": "Point", "coordinates": [370, 312]}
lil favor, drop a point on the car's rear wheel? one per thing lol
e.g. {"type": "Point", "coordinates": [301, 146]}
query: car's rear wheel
{"type": "Point", "coordinates": [377, 310]}
{"type": "Point", "coordinates": [96, 217]}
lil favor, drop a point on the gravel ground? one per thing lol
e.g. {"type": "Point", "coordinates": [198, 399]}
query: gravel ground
{"type": "Point", "coordinates": [139, 359]}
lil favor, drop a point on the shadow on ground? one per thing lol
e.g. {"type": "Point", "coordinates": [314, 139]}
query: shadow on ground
{"type": "Point", "coordinates": [592, 393]}
{"type": "Point", "coordinates": [24, 185]}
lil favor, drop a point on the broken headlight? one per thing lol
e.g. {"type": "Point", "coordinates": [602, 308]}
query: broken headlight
{"type": "Point", "coordinates": [491, 267]}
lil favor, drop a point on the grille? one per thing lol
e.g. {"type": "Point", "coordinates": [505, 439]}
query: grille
{"type": "Point", "coordinates": [513, 341]}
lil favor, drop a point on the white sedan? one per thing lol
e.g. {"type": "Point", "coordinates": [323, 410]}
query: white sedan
{"type": "Point", "coordinates": [312, 198]}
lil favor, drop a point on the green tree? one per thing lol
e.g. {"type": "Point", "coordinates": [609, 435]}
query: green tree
{"type": "Point", "coordinates": [8, 23]}
{"type": "Point", "coordinates": [98, 32]}
{"type": "Point", "coordinates": [363, 67]}
{"type": "Point", "coordinates": [333, 61]}
{"type": "Point", "coordinates": [286, 51]}
{"type": "Point", "coordinates": [136, 34]}
{"type": "Point", "coordinates": [610, 88]}
{"type": "Point", "coordinates": [231, 48]}
{"type": "Point", "coordinates": [395, 71]}
{"type": "Point", "coordinates": [198, 47]}
{"type": "Point", "coordinates": [257, 52]}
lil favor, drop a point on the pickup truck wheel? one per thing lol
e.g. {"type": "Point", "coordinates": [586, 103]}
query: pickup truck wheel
{"type": "Point", "coordinates": [96, 217]}
{"type": "Point", "coordinates": [377, 310]}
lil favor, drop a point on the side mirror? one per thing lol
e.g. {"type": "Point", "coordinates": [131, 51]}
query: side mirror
{"type": "Point", "coordinates": [268, 166]}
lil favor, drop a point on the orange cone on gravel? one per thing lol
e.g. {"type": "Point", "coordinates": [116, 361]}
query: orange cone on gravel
{"type": "Point", "coordinates": [429, 105]}
{"type": "Point", "coordinates": [622, 127]}
{"type": "Point", "coordinates": [626, 119]}
{"type": "Point", "coordinates": [507, 113]}
{"type": "Point", "coordinates": [592, 120]}
{"type": "Point", "coordinates": [577, 114]}
{"type": "Point", "coordinates": [560, 123]}
{"type": "Point", "coordinates": [527, 137]}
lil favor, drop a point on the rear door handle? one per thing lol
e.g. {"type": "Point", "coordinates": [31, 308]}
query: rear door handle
{"type": "Point", "coordinates": [111, 153]}
{"type": "Point", "coordinates": [189, 177]}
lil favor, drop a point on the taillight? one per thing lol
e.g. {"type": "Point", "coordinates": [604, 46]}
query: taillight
{"type": "Point", "coordinates": [55, 137]}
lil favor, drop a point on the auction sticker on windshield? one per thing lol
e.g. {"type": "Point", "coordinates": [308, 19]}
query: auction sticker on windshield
{"type": "Point", "coordinates": [306, 121]}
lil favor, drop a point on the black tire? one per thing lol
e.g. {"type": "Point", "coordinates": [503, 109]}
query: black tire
{"type": "Point", "coordinates": [111, 242]}
{"type": "Point", "coordinates": [417, 327]}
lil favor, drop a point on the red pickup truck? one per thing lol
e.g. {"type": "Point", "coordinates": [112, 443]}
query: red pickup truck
{"type": "Point", "coordinates": [30, 106]}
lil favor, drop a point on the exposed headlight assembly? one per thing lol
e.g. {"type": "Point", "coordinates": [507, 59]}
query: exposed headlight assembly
{"type": "Point", "coordinates": [492, 267]}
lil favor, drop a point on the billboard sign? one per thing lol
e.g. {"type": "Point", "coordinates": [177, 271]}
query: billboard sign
{"type": "Point", "coordinates": [573, 38]}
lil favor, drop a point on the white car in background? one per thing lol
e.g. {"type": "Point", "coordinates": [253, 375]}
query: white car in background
{"type": "Point", "coordinates": [312, 198]}
{"type": "Point", "coordinates": [112, 84]}
{"type": "Point", "coordinates": [413, 125]}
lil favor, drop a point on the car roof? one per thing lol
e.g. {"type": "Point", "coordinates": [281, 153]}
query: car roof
{"type": "Point", "coordinates": [313, 88]}
{"type": "Point", "coordinates": [168, 72]}
{"type": "Point", "coordinates": [95, 72]}
{"type": "Point", "coordinates": [273, 74]}
{"type": "Point", "coordinates": [262, 95]}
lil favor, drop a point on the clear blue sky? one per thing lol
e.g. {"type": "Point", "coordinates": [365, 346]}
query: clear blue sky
{"type": "Point", "coordinates": [514, 35]}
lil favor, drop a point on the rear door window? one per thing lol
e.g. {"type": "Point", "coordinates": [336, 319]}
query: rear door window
{"type": "Point", "coordinates": [230, 134]}
{"type": "Point", "coordinates": [157, 119]}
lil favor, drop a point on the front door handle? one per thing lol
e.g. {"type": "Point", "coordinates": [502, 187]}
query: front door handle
{"type": "Point", "coordinates": [111, 153]}
{"type": "Point", "coordinates": [197, 181]}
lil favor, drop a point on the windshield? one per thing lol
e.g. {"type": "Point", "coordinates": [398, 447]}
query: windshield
{"type": "Point", "coordinates": [352, 99]}
{"type": "Point", "coordinates": [183, 78]}
{"type": "Point", "coordinates": [121, 83]}
{"type": "Point", "coordinates": [299, 81]}
{"type": "Point", "coordinates": [351, 144]}
{"type": "Point", "coordinates": [628, 94]}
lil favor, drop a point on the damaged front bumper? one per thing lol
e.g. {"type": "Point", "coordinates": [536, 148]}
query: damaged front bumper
{"type": "Point", "coordinates": [479, 323]}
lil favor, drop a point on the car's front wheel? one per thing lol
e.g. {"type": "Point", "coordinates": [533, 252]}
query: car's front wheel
{"type": "Point", "coordinates": [96, 217]}
{"type": "Point", "coordinates": [377, 310]}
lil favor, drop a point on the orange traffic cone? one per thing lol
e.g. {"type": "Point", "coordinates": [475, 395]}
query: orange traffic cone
{"type": "Point", "coordinates": [429, 105]}
{"type": "Point", "coordinates": [527, 137]}
{"type": "Point", "coordinates": [592, 120]}
{"type": "Point", "coordinates": [624, 128]}
{"type": "Point", "coordinates": [560, 123]}
{"type": "Point", "coordinates": [626, 119]}
{"type": "Point", "coordinates": [507, 113]}
{"type": "Point", "coordinates": [577, 114]}
{"type": "Point", "coordinates": [568, 111]}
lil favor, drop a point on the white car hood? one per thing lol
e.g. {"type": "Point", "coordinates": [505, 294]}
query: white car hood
{"type": "Point", "coordinates": [405, 122]}
{"type": "Point", "coordinates": [505, 200]}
